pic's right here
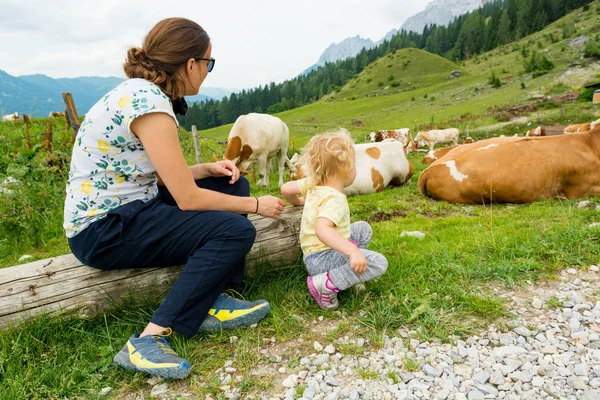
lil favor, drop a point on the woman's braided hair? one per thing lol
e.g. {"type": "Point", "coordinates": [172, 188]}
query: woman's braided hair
{"type": "Point", "coordinates": [169, 45]}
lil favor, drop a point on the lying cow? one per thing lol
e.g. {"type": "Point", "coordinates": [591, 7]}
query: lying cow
{"type": "Point", "coordinates": [433, 137]}
{"type": "Point", "coordinates": [539, 131]}
{"type": "Point", "coordinates": [255, 138]}
{"type": "Point", "coordinates": [54, 114]}
{"type": "Point", "coordinates": [436, 154]}
{"type": "Point", "coordinates": [468, 140]}
{"type": "Point", "coordinates": [11, 117]}
{"type": "Point", "coordinates": [577, 128]}
{"type": "Point", "coordinates": [492, 170]}
{"type": "Point", "coordinates": [378, 165]}
{"type": "Point", "coordinates": [401, 135]}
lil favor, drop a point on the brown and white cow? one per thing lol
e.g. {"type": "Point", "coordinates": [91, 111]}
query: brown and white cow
{"type": "Point", "coordinates": [433, 137]}
{"type": "Point", "coordinates": [539, 131]}
{"type": "Point", "coordinates": [436, 154]}
{"type": "Point", "coordinates": [11, 117]}
{"type": "Point", "coordinates": [255, 138]}
{"type": "Point", "coordinates": [517, 170]}
{"type": "Point", "coordinates": [54, 114]}
{"type": "Point", "coordinates": [402, 135]}
{"type": "Point", "coordinates": [378, 165]}
{"type": "Point", "coordinates": [577, 128]}
{"type": "Point", "coordinates": [468, 140]}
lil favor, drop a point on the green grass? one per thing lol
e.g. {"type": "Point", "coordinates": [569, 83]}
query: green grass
{"type": "Point", "coordinates": [439, 286]}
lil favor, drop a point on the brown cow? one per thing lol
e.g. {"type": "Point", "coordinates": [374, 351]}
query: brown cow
{"type": "Point", "coordinates": [517, 170]}
{"type": "Point", "coordinates": [436, 154]}
{"type": "Point", "coordinates": [577, 128]}
{"type": "Point", "coordinates": [539, 131]}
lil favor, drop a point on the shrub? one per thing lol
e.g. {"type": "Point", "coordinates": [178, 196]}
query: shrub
{"type": "Point", "coordinates": [391, 78]}
{"type": "Point", "coordinates": [586, 95]}
{"type": "Point", "coordinates": [592, 49]}
{"type": "Point", "coordinates": [538, 64]}
{"type": "Point", "coordinates": [523, 85]}
{"type": "Point", "coordinates": [395, 84]}
{"type": "Point", "coordinates": [380, 83]}
{"type": "Point", "coordinates": [494, 80]}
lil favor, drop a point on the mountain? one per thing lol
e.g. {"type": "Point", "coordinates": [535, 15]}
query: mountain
{"type": "Point", "coordinates": [37, 95]}
{"type": "Point", "coordinates": [441, 12]}
{"type": "Point", "coordinates": [338, 51]}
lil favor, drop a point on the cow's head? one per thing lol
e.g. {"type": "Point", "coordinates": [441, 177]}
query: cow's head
{"type": "Point", "coordinates": [238, 153]}
{"type": "Point", "coordinates": [410, 146]}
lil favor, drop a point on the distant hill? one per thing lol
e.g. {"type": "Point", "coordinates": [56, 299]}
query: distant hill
{"type": "Point", "coordinates": [338, 51]}
{"type": "Point", "coordinates": [439, 12]}
{"type": "Point", "coordinates": [405, 70]}
{"type": "Point", "coordinates": [38, 95]}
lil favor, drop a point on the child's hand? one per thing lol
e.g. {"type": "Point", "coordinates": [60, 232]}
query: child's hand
{"type": "Point", "coordinates": [358, 262]}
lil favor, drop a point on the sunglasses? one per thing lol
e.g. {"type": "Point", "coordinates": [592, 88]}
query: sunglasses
{"type": "Point", "coordinates": [211, 63]}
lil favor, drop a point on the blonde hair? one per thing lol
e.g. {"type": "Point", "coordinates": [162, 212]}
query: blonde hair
{"type": "Point", "coordinates": [328, 155]}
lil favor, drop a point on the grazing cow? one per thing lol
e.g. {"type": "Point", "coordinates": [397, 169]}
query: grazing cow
{"type": "Point", "coordinates": [11, 117]}
{"type": "Point", "coordinates": [54, 114]}
{"type": "Point", "coordinates": [595, 124]}
{"type": "Point", "coordinates": [255, 138]}
{"type": "Point", "coordinates": [431, 138]}
{"type": "Point", "coordinates": [492, 170]}
{"type": "Point", "coordinates": [401, 135]}
{"type": "Point", "coordinates": [378, 165]}
{"type": "Point", "coordinates": [539, 131]}
{"type": "Point", "coordinates": [577, 128]}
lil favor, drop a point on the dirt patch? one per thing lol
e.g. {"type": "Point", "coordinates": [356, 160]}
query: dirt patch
{"type": "Point", "coordinates": [358, 122]}
{"type": "Point", "coordinates": [383, 216]}
{"type": "Point", "coordinates": [554, 130]}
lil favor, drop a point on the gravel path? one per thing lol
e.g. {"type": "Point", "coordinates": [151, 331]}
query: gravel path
{"type": "Point", "coordinates": [551, 350]}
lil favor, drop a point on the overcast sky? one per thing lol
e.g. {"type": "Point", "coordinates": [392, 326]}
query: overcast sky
{"type": "Point", "coordinates": [254, 41]}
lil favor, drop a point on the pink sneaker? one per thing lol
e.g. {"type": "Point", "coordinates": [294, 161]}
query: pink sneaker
{"type": "Point", "coordinates": [323, 290]}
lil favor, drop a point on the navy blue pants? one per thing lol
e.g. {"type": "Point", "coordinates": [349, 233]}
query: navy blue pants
{"type": "Point", "coordinates": [211, 244]}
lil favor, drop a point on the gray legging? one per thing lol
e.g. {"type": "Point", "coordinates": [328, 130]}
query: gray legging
{"type": "Point", "coordinates": [338, 265]}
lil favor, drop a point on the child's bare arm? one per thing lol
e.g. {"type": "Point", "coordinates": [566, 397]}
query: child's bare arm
{"type": "Point", "coordinates": [331, 238]}
{"type": "Point", "coordinates": [290, 192]}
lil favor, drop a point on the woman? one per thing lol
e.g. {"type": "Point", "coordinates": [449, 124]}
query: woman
{"type": "Point", "coordinates": [133, 202]}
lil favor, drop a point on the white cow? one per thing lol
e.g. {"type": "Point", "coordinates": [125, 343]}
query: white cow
{"type": "Point", "coordinates": [378, 165]}
{"type": "Point", "coordinates": [433, 137]}
{"type": "Point", "coordinates": [11, 117]}
{"type": "Point", "coordinates": [402, 135]}
{"type": "Point", "coordinates": [255, 138]}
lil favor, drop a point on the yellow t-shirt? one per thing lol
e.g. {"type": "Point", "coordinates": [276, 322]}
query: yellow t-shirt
{"type": "Point", "coordinates": [326, 202]}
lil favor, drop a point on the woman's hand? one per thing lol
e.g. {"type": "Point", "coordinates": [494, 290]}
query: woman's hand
{"type": "Point", "coordinates": [358, 262]}
{"type": "Point", "coordinates": [270, 206]}
{"type": "Point", "coordinates": [224, 168]}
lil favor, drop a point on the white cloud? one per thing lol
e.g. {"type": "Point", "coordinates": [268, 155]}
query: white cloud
{"type": "Point", "coordinates": [255, 42]}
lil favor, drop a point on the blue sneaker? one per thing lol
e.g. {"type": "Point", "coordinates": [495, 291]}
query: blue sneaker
{"type": "Point", "coordinates": [153, 355]}
{"type": "Point", "coordinates": [231, 313]}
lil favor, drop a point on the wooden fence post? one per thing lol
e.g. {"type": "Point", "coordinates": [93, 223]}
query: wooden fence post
{"type": "Point", "coordinates": [196, 145]}
{"type": "Point", "coordinates": [27, 130]}
{"type": "Point", "coordinates": [47, 140]}
{"type": "Point", "coordinates": [71, 111]}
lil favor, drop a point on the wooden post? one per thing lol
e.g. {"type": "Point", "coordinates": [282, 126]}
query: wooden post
{"type": "Point", "coordinates": [27, 130]}
{"type": "Point", "coordinates": [63, 284]}
{"type": "Point", "coordinates": [47, 140]}
{"type": "Point", "coordinates": [71, 111]}
{"type": "Point", "coordinates": [196, 145]}
{"type": "Point", "coordinates": [293, 147]}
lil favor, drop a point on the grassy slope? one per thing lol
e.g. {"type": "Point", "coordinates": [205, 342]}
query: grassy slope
{"type": "Point", "coordinates": [440, 286]}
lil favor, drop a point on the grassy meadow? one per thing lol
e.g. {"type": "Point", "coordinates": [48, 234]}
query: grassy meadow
{"type": "Point", "coordinates": [439, 287]}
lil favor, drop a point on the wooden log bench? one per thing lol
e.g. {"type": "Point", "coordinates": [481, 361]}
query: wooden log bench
{"type": "Point", "coordinates": [62, 284]}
